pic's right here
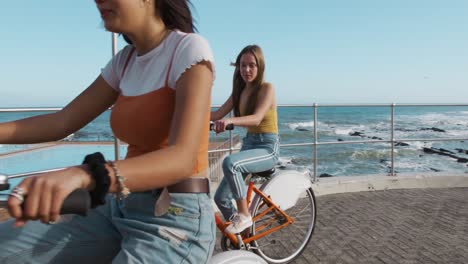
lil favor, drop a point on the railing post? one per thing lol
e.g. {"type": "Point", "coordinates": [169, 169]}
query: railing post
{"type": "Point", "coordinates": [116, 140]}
{"type": "Point", "coordinates": [315, 143]}
{"type": "Point", "coordinates": [392, 139]}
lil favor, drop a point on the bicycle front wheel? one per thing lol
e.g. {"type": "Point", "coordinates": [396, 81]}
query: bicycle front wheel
{"type": "Point", "coordinates": [286, 243]}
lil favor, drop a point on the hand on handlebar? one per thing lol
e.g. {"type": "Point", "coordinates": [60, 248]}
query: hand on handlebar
{"type": "Point", "coordinates": [44, 195]}
{"type": "Point", "coordinates": [221, 125]}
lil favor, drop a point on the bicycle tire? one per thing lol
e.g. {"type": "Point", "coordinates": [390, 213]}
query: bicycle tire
{"type": "Point", "coordinates": [287, 243]}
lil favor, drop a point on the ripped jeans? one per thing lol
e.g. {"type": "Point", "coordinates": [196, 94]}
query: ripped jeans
{"type": "Point", "coordinates": [123, 231]}
{"type": "Point", "coordinates": [259, 152]}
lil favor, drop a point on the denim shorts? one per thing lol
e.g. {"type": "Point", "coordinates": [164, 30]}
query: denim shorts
{"type": "Point", "coordinates": [121, 231]}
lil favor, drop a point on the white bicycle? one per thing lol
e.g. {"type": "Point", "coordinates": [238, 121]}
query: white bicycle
{"type": "Point", "coordinates": [283, 209]}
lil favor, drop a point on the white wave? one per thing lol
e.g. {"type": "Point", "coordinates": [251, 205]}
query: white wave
{"type": "Point", "coordinates": [365, 154]}
{"type": "Point", "coordinates": [336, 169]}
{"type": "Point", "coordinates": [457, 133]}
{"type": "Point", "coordinates": [420, 144]}
{"type": "Point", "coordinates": [435, 119]}
{"type": "Point", "coordinates": [339, 129]}
{"type": "Point", "coordinates": [381, 126]}
{"type": "Point", "coordinates": [457, 121]}
{"type": "Point", "coordinates": [294, 126]}
{"type": "Point", "coordinates": [361, 127]}
{"type": "Point", "coordinates": [343, 131]}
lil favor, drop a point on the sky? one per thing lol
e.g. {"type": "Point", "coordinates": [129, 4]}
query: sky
{"type": "Point", "coordinates": [329, 51]}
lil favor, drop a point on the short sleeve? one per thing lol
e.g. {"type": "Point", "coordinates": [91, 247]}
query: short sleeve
{"type": "Point", "coordinates": [192, 50]}
{"type": "Point", "coordinates": [111, 73]}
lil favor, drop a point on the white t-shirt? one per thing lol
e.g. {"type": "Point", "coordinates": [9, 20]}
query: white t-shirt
{"type": "Point", "coordinates": [147, 73]}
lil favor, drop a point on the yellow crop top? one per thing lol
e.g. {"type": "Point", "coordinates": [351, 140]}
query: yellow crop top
{"type": "Point", "coordinates": [269, 123]}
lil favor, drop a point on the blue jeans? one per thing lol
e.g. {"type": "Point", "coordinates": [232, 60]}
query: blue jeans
{"type": "Point", "coordinates": [118, 232]}
{"type": "Point", "coordinates": [259, 152]}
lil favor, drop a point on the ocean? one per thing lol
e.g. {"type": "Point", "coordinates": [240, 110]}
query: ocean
{"type": "Point", "coordinates": [345, 124]}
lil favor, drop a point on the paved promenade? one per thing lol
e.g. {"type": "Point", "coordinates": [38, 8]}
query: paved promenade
{"type": "Point", "coordinates": [394, 226]}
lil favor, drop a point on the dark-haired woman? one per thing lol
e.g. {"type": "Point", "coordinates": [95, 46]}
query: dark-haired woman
{"type": "Point", "coordinates": [158, 209]}
{"type": "Point", "coordinates": [254, 104]}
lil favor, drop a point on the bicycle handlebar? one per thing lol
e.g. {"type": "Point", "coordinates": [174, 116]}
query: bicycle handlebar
{"type": "Point", "coordinates": [78, 202]}
{"type": "Point", "coordinates": [228, 127]}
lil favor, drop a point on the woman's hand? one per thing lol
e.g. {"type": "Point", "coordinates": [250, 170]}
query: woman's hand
{"type": "Point", "coordinates": [45, 193]}
{"type": "Point", "coordinates": [220, 125]}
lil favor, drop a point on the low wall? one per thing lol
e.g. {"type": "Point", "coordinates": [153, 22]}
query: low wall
{"type": "Point", "coordinates": [345, 184]}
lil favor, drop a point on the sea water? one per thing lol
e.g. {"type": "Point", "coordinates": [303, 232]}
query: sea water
{"type": "Point", "coordinates": [296, 125]}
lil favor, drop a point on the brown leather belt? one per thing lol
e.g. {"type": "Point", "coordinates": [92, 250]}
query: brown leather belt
{"type": "Point", "coordinates": [191, 185]}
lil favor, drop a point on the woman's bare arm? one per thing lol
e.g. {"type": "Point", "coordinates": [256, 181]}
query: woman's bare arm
{"type": "Point", "coordinates": [50, 127]}
{"type": "Point", "coordinates": [265, 100]}
{"type": "Point", "coordinates": [223, 110]}
{"type": "Point", "coordinates": [174, 163]}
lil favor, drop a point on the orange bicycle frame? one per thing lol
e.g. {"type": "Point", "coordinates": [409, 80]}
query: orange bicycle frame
{"type": "Point", "coordinates": [271, 207]}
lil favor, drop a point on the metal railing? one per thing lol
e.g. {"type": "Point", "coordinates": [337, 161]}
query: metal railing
{"type": "Point", "coordinates": [215, 158]}
{"type": "Point", "coordinates": [315, 142]}
{"type": "Point", "coordinates": [391, 141]}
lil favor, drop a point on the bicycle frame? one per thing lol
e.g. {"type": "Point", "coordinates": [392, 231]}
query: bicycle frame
{"type": "Point", "coordinates": [271, 207]}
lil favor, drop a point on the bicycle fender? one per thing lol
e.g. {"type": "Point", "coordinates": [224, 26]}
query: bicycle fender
{"type": "Point", "coordinates": [236, 257]}
{"type": "Point", "coordinates": [286, 187]}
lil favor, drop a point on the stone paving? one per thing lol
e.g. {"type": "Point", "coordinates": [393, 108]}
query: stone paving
{"type": "Point", "coordinates": [394, 226]}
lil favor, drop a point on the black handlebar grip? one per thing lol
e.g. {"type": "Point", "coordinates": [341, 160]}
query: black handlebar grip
{"type": "Point", "coordinates": [4, 186]}
{"type": "Point", "coordinates": [78, 202]}
{"type": "Point", "coordinates": [228, 127]}
{"type": "Point", "coordinates": [4, 183]}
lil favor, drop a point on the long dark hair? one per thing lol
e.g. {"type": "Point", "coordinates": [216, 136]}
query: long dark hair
{"type": "Point", "coordinates": [238, 83]}
{"type": "Point", "coordinates": [175, 14]}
